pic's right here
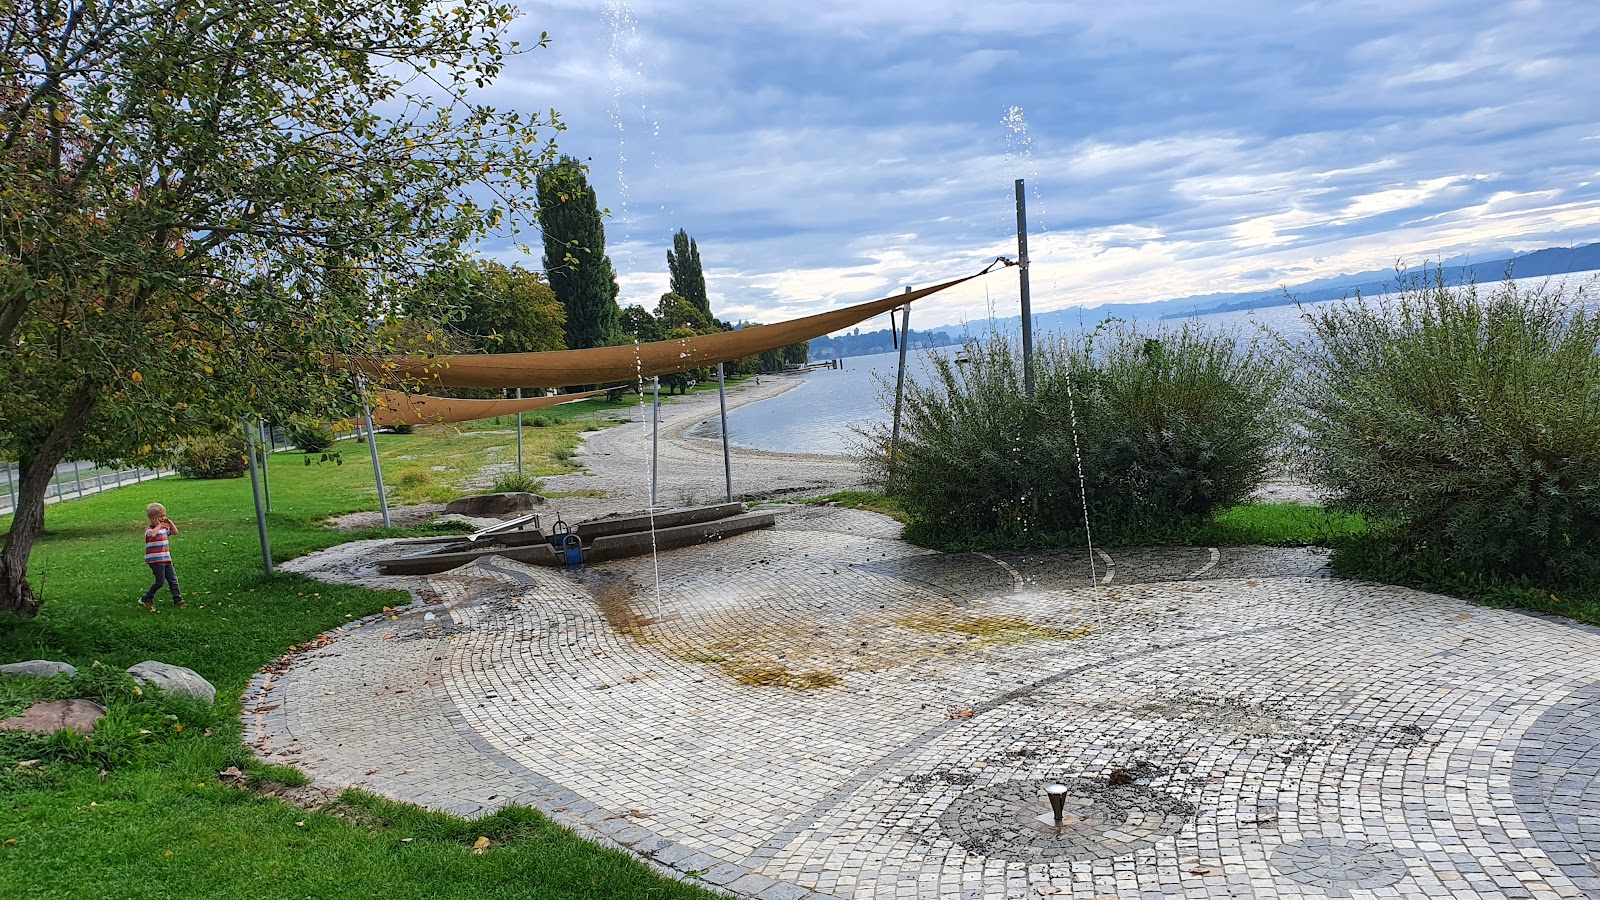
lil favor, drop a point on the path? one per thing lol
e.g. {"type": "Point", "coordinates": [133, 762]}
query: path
{"type": "Point", "coordinates": [617, 460]}
{"type": "Point", "coordinates": [821, 710]}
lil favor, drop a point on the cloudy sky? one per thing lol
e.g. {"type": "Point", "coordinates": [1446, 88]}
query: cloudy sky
{"type": "Point", "coordinates": [828, 152]}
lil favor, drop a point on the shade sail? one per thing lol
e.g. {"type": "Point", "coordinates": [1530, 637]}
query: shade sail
{"type": "Point", "coordinates": [395, 408]}
{"type": "Point", "coordinates": [599, 365]}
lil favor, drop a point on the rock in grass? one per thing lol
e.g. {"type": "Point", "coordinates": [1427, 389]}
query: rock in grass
{"type": "Point", "coordinates": [174, 680]}
{"type": "Point", "coordinates": [51, 716]}
{"type": "Point", "coordinates": [492, 505]}
{"type": "Point", "coordinates": [37, 668]}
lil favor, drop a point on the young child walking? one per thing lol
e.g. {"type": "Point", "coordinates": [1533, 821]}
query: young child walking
{"type": "Point", "coordinates": [158, 556]}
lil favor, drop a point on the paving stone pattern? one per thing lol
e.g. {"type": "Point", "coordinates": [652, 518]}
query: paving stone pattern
{"type": "Point", "coordinates": [821, 710]}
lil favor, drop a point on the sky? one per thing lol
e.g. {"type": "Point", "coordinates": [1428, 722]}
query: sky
{"type": "Point", "coordinates": [834, 151]}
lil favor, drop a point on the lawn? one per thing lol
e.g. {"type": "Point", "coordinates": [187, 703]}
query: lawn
{"type": "Point", "coordinates": [139, 810]}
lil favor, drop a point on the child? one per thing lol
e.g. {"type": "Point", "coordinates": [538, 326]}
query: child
{"type": "Point", "coordinates": [158, 556]}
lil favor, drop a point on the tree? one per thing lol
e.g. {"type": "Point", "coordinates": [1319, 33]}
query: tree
{"type": "Point", "coordinates": [201, 203]}
{"type": "Point", "coordinates": [687, 279]}
{"type": "Point", "coordinates": [797, 353]}
{"type": "Point", "coordinates": [502, 309]}
{"type": "Point", "coordinates": [575, 258]}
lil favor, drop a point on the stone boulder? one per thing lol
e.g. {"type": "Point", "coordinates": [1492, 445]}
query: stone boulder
{"type": "Point", "coordinates": [38, 668]}
{"type": "Point", "coordinates": [510, 503]}
{"type": "Point", "coordinates": [174, 680]}
{"type": "Point", "coordinates": [50, 716]}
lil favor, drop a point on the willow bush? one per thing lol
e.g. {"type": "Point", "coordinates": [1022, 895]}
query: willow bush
{"type": "Point", "coordinates": [1170, 424]}
{"type": "Point", "coordinates": [1467, 417]}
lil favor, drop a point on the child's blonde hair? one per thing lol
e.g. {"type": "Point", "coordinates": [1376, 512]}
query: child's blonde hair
{"type": "Point", "coordinates": [155, 510]}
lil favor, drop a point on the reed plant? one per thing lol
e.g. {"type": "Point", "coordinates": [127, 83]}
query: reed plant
{"type": "Point", "coordinates": [1468, 418]}
{"type": "Point", "coordinates": [1155, 429]}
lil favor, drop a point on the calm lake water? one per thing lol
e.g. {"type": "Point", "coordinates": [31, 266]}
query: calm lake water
{"type": "Point", "coordinates": [820, 415]}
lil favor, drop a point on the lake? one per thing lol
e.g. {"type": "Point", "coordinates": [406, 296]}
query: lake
{"type": "Point", "coordinates": [820, 415]}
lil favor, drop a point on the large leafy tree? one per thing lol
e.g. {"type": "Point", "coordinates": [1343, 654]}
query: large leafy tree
{"type": "Point", "coordinates": [575, 258]}
{"type": "Point", "coordinates": [687, 279]}
{"type": "Point", "coordinates": [502, 309]}
{"type": "Point", "coordinates": [201, 201]}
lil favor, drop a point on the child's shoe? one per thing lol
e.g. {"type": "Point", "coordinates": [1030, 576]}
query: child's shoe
{"type": "Point", "coordinates": [180, 604]}
{"type": "Point", "coordinates": [148, 604]}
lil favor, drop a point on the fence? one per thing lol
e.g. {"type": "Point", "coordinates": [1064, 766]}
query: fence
{"type": "Point", "coordinates": [80, 479]}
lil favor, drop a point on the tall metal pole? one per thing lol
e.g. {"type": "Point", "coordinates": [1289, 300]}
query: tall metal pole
{"type": "Point", "coordinates": [727, 460]}
{"type": "Point", "coordinates": [266, 474]}
{"type": "Point", "coordinates": [655, 436]}
{"type": "Point", "coordinates": [1022, 276]}
{"type": "Point", "coordinates": [519, 434]}
{"type": "Point", "coordinates": [11, 483]}
{"type": "Point", "coordinates": [900, 377]}
{"type": "Point", "coordinates": [377, 467]}
{"type": "Point", "coordinates": [255, 490]}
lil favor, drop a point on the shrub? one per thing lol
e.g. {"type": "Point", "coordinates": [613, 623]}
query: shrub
{"type": "Point", "coordinates": [402, 429]}
{"type": "Point", "coordinates": [213, 458]}
{"type": "Point", "coordinates": [1468, 419]}
{"type": "Point", "coordinates": [1170, 425]}
{"type": "Point", "coordinates": [310, 436]}
{"type": "Point", "coordinates": [509, 482]}
{"type": "Point", "coordinates": [539, 422]}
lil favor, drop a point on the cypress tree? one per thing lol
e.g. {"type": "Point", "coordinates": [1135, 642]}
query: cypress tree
{"type": "Point", "coordinates": [688, 280]}
{"type": "Point", "coordinates": [575, 260]}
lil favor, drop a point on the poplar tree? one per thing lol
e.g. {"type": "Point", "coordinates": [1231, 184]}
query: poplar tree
{"type": "Point", "coordinates": [688, 280]}
{"type": "Point", "coordinates": [575, 261]}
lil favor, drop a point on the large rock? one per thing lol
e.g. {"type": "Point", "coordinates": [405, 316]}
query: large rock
{"type": "Point", "coordinates": [509, 503]}
{"type": "Point", "coordinates": [38, 668]}
{"type": "Point", "coordinates": [50, 716]}
{"type": "Point", "coordinates": [174, 680]}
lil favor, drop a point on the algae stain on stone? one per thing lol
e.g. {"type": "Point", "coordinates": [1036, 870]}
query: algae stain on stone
{"type": "Point", "coordinates": [987, 630]}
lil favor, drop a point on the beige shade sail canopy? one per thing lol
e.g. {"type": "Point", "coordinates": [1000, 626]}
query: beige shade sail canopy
{"type": "Point", "coordinates": [601, 365]}
{"type": "Point", "coordinates": [394, 408]}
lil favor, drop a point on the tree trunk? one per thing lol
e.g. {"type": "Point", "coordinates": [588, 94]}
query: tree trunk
{"type": "Point", "coordinates": [16, 595]}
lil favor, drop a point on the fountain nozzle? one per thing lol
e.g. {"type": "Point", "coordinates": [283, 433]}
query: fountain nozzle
{"type": "Point", "coordinates": [1058, 799]}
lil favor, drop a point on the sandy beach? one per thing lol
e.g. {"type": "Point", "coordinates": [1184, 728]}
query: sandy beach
{"type": "Point", "coordinates": [616, 461]}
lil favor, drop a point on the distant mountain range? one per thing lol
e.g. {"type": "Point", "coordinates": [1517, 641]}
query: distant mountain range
{"type": "Point", "coordinates": [1537, 264]}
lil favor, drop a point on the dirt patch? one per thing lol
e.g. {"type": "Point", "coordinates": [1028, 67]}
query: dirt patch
{"type": "Point", "coordinates": [399, 516]}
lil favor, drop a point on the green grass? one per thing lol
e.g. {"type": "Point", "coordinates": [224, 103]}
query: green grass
{"type": "Point", "coordinates": [80, 834]}
{"type": "Point", "coordinates": [868, 500]}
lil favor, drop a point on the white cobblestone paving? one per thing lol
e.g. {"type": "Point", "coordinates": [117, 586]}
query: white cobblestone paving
{"type": "Point", "coordinates": [821, 710]}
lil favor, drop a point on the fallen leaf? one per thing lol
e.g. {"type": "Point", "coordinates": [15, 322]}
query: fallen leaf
{"type": "Point", "coordinates": [1199, 870]}
{"type": "Point", "coordinates": [481, 843]}
{"type": "Point", "coordinates": [167, 854]}
{"type": "Point", "coordinates": [11, 842]}
{"type": "Point", "coordinates": [300, 824]}
{"type": "Point", "coordinates": [144, 731]}
{"type": "Point", "coordinates": [406, 840]}
{"type": "Point", "coordinates": [231, 773]}
{"type": "Point", "coordinates": [28, 764]}
{"type": "Point", "coordinates": [1046, 890]}
{"type": "Point", "coordinates": [962, 714]}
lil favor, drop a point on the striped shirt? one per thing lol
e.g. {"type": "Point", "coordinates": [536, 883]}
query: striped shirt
{"type": "Point", "coordinates": [155, 545]}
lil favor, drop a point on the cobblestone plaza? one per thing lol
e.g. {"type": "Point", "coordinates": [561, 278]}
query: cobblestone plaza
{"type": "Point", "coordinates": [822, 710]}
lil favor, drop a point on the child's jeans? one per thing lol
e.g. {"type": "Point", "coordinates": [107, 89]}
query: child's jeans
{"type": "Point", "coordinates": [164, 574]}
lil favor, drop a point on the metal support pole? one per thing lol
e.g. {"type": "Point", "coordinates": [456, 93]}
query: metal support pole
{"type": "Point", "coordinates": [12, 471]}
{"type": "Point", "coordinates": [377, 467]}
{"type": "Point", "coordinates": [655, 439]}
{"type": "Point", "coordinates": [1027, 304]}
{"type": "Point", "coordinates": [266, 474]}
{"type": "Point", "coordinates": [519, 434]}
{"type": "Point", "coordinates": [727, 460]}
{"type": "Point", "coordinates": [261, 514]}
{"type": "Point", "coordinates": [900, 378]}
{"type": "Point", "coordinates": [77, 475]}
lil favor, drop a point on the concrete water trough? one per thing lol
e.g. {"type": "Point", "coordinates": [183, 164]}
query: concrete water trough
{"type": "Point", "coordinates": [611, 537]}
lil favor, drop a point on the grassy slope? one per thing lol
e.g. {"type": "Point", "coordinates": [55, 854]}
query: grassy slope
{"type": "Point", "coordinates": [165, 795]}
